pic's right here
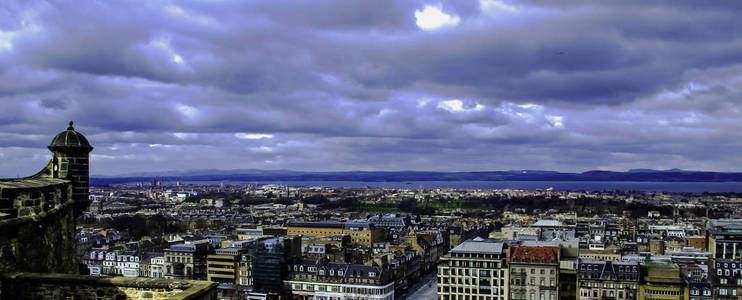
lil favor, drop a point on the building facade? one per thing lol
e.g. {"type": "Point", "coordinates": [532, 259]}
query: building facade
{"type": "Point", "coordinates": [361, 233]}
{"type": "Point", "coordinates": [662, 281]}
{"type": "Point", "coordinates": [475, 269]}
{"type": "Point", "coordinates": [534, 273]}
{"type": "Point", "coordinates": [724, 238]}
{"type": "Point", "coordinates": [608, 279]}
{"type": "Point", "coordinates": [726, 279]}
{"type": "Point", "coordinates": [186, 261]}
{"type": "Point", "coordinates": [324, 280]}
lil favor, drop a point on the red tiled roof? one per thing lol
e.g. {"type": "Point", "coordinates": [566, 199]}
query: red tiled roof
{"type": "Point", "coordinates": [535, 255]}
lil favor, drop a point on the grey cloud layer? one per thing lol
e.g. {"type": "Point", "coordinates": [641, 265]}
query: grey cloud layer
{"type": "Point", "coordinates": [338, 85]}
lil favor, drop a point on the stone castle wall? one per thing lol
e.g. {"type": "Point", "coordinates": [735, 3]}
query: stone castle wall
{"type": "Point", "coordinates": [37, 229]}
{"type": "Point", "coordinates": [64, 286]}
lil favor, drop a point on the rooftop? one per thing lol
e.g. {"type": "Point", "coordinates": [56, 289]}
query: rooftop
{"type": "Point", "coordinates": [70, 139]}
{"type": "Point", "coordinates": [535, 255]}
{"type": "Point", "coordinates": [182, 248]}
{"type": "Point", "coordinates": [323, 224]}
{"type": "Point", "coordinates": [547, 223]}
{"type": "Point", "coordinates": [479, 245]}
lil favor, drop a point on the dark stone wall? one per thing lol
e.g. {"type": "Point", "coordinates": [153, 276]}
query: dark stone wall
{"type": "Point", "coordinates": [41, 238]}
{"type": "Point", "coordinates": [64, 286]}
{"type": "Point", "coordinates": [40, 242]}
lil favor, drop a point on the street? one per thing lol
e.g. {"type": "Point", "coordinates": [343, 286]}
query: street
{"type": "Point", "coordinates": [425, 289]}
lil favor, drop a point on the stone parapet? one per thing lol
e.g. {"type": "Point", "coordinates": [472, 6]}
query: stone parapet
{"type": "Point", "coordinates": [65, 286]}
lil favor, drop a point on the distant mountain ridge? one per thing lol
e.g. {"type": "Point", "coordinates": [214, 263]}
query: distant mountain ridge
{"type": "Point", "coordinates": [638, 175]}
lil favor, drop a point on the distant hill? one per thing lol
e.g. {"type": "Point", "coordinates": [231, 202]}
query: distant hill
{"type": "Point", "coordinates": [638, 175]}
{"type": "Point", "coordinates": [657, 171]}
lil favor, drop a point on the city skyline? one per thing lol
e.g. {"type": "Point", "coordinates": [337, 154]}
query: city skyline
{"type": "Point", "coordinates": [393, 85]}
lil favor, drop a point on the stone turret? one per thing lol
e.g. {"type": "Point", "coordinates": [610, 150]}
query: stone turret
{"type": "Point", "coordinates": [70, 160]}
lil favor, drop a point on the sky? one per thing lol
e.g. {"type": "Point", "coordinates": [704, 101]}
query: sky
{"type": "Point", "coordinates": [335, 85]}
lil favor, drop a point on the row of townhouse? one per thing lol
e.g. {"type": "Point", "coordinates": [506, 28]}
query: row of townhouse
{"type": "Point", "coordinates": [489, 269]}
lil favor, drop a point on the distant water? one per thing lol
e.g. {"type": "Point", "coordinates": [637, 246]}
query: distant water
{"type": "Point", "coordinates": [679, 187]}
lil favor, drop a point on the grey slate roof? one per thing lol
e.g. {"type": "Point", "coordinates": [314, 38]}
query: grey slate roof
{"type": "Point", "coordinates": [479, 245]}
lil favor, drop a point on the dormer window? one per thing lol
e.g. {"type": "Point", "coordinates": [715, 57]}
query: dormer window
{"type": "Point", "coordinates": [322, 272]}
{"type": "Point", "coordinates": [371, 274]}
{"type": "Point", "coordinates": [332, 272]}
{"type": "Point", "coordinates": [340, 272]}
{"type": "Point", "coordinates": [295, 268]}
{"type": "Point", "coordinates": [301, 268]}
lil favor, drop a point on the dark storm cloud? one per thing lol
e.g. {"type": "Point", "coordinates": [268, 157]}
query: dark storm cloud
{"type": "Point", "coordinates": [342, 85]}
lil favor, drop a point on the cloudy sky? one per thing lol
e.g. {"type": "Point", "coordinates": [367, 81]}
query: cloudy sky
{"type": "Point", "coordinates": [374, 85]}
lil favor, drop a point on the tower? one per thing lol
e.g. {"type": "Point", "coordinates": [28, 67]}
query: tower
{"type": "Point", "coordinates": [71, 161]}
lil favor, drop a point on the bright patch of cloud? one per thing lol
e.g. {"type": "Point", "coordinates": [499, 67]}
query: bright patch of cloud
{"type": "Point", "coordinates": [555, 121]}
{"type": "Point", "coordinates": [179, 12]}
{"type": "Point", "coordinates": [432, 17]}
{"type": "Point", "coordinates": [263, 149]}
{"type": "Point", "coordinates": [184, 136]}
{"type": "Point", "coordinates": [422, 102]}
{"type": "Point", "coordinates": [386, 111]}
{"type": "Point", "coordinates": [691, 118]}
{"type": "Point", "coordinates": [187, 111]}
{"type": "Point", "coordinates": [6, 40]}
{"type": "Point", "coordinates": [163, 44]}
{"type": "Point", "coordinates": [530, 106]}
{"type": "Point", "coordinates": [159, 146]}
{"type": "Point", "coordinates": [495, 7]}
{"type": "Point", "coordinates": [177, 59]}
{"type": "Point", "coordinates": [530, 113]}
{"type": "Point", "coordinates": [458, 106]}
{"type": "Point", "coordinates": [253, 136]}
